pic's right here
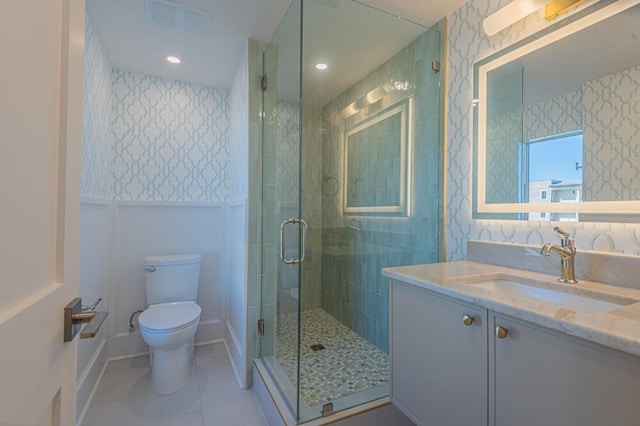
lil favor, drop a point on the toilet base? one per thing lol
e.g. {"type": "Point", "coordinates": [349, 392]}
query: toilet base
{"type": "Point", "coordinates": [171, 368]}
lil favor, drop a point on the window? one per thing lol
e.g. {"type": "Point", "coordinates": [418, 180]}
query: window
{"type": "Point", "coordinates": [555, 158]}
{"type": "Point", "coordinates": [543, 195]}
{"type": "Point", "coordinates": [543, 215]}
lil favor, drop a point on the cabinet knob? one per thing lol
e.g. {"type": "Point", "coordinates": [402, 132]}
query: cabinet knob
{"type": "Point", "coordinates": [468, 320]}
{"type": "Point", "coordinates": [501, 332]}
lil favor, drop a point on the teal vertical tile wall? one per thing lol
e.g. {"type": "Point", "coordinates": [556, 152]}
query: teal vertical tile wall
{"type": "Point", "coordinates": [357, 247]}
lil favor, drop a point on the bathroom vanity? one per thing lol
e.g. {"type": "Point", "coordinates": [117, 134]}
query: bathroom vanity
{"type": "Point", "coordinates": [480, 344]}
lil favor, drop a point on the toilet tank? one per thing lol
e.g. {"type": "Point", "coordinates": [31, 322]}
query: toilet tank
{"type": "Point", "coordinates": [172, 278]}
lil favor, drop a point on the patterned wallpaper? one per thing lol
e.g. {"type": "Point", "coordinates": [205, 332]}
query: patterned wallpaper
{"type": "Point", "coordinates": [611, 137]}
{"type": "Point", "coordinates": [504, 134]}
{"type": "Point", "coordinates": [96, 119]}
{"type": "Point", "coordinates": [562, 114]}
{"type": "Point", "coordinates": [170, 140]}
{"type": "Point", "coordinates": [239, 130]}
{"type": "Point", "coordinates": [468, 44]}
{"type": "Point", "coordinates": [287, 156]}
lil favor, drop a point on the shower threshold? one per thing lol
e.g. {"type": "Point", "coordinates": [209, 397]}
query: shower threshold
{"type": "Point", "coordinates": [279, 391]}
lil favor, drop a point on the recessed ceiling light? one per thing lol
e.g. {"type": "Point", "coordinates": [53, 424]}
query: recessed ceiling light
{"type": "Point", "coordinates": [173, 59]}
{"type": "Point", "coordinates": [321, 66]}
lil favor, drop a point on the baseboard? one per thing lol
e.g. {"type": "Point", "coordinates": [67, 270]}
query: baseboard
{"type": "Point", "coordinates": [236, 355]}
{"type": "Point", "coordinates": [89, 380]}
{"type": "Point", "coordinates": [128, 345]}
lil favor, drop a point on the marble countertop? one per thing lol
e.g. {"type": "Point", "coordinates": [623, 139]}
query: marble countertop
{"type": "Point", "coordinates": [618, 328]}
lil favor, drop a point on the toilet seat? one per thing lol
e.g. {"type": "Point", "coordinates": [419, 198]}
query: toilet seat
{"type": "Point", "coordinates": [169, 317]}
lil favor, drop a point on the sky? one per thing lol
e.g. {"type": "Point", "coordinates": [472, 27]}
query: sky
{"type": "Point", "coordinates": [556, 159]}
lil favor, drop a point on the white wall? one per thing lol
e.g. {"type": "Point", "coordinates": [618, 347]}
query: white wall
{"type": "Point", "coordinates": [94, 211]}
{"type": "Point", "coordinates": [239, 147]}
{"type": "Point", "coordinates": [93, 279]}
{"type": "Point", "coordinates": [143, 229]}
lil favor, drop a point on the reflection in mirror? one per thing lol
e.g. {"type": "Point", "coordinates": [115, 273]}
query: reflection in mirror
{"type": "Point", "coordinates": [558, 117]}
{"type": "Point", "coordinates": [375, 172]}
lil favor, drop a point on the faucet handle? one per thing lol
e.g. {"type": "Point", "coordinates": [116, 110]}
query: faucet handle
{"type": "Point", "coordinates": [567, 241]}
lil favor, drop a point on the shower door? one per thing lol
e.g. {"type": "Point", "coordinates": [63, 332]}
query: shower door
{"type": "Point", "coordinates": [351, 183]}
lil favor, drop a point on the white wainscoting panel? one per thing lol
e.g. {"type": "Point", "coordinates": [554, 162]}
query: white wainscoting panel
{"type": "Point", "coordinates": [142, 229]}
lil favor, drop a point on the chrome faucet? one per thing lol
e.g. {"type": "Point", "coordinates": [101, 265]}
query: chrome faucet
{"type": "Point", "coordinates": [567, 252]}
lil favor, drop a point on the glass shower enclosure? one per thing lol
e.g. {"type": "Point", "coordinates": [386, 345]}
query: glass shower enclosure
{"type": "Point", "coordinates": [352, 182]}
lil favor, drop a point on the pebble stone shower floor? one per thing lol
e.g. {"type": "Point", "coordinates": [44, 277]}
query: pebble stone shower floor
{"type": "Point", "coordinates": [348, 364]}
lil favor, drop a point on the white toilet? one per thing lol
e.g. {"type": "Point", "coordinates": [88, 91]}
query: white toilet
{"type": "Point", "coordinates": [169, 324]}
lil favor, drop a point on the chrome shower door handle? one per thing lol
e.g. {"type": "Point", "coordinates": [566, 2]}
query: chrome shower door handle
{"type": "Point", "coordinates": [303, 242]}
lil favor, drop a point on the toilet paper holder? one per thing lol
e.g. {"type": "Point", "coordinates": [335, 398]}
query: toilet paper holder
{"type": "Point", "coordinates": [75, 314]}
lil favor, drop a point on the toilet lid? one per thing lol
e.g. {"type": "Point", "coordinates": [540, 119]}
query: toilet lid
{"type": "Point", "coordinates": [165, 317]}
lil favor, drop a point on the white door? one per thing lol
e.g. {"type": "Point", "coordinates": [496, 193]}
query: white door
{"type": "Point", "coordinates": [41, 47]}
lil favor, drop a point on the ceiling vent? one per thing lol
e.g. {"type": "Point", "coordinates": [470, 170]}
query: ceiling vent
{"type": "Point", "coordinates": [178, 17]}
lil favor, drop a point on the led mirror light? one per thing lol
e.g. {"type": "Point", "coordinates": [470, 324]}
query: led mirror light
{"type": "Point", "coordinates": [173, 59]}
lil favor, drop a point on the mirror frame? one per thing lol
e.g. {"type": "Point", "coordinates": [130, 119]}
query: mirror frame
{"type": "Point", "coordinates": [404, 108]}
{"type": "Point", "coordinates": [589, 210]}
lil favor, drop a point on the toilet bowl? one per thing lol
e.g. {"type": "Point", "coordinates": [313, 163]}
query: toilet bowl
{"type": "Point", "coordinates": [169, 329]}
{"type": "Point", "coordinates": [170, 322]}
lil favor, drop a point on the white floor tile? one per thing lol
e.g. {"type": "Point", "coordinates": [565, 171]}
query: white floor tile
{"type": "Point", "coordinates": [243, 409]}
{"type": "Point", "coordinates": [173, 406]}
{"type": "Point", "coordinates": [212, 397]}
{"type": "Point", "coordinates": [193, 418]}
{"type": "Point", "coordinates": [117, 413]}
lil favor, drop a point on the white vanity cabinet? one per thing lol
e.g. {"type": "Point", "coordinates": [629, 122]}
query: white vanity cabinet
{"type": "Point", "coordinates": [542, 377]}
{"type": "Point", "coordinates": [438, 358]}
{"type": "Point", "coordinates": [500, 370]}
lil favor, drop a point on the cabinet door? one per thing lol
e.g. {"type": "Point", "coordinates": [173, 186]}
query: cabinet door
{"type": "Point", "coordinates": [438, 364]}
{"type": "Point", "coordinates": [544, 378]}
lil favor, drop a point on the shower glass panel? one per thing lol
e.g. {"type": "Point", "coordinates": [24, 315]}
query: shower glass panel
{"type": "Point", "coordinates": [355, 151]}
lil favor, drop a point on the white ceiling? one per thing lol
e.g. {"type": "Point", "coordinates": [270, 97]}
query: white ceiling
{"type": "Point", "coordinates": [133, 43]}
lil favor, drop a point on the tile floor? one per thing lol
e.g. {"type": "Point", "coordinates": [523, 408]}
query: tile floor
{"type": "Point", "coordinates": [212, 396]}
{"type": "Point", "coordinates": [348, 364]}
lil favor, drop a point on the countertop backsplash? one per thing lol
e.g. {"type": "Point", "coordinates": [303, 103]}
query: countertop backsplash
{"type": "Point", "coordinates": [610, 268]}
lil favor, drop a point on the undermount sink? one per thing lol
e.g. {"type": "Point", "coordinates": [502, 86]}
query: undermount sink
{"type": "Point", "coordinates": [561, 299]}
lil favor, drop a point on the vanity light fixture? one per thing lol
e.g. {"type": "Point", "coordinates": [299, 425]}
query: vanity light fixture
{"type": "Point", "coordinates": [520, 9]}
{"type": "Point", "coordinates": [370, 98]}
{"type": "Point", "coordinates": [557, 7]}
{"type": "Point", "coordinates": [510, 14]}
{"type": "Point", "coordinates": [173, 59]}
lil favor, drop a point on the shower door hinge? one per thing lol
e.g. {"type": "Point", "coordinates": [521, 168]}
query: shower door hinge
{"type": "Point", "coordinates": [327, 409]}
{"type": "Point", "coordinates": [261, 327]}
{"type": "Point", "coordinates": [264, 82]}
{"type": "Point", "coordinates": [435, 66]}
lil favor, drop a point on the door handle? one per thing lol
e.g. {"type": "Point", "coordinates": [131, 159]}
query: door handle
{"type": "Point", "coordinates": [74, 317]}
{"type": "Point", "coordinates": [303, 243]}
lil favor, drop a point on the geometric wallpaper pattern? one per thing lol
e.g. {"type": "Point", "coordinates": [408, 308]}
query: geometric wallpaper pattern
{"type": "Point", "coordinates": [467, 44]}
{"type": "Point", "coordinates": [555, 116]}
{"type": "Point", "coordinates": [169, 140]}
{"type": "Point", "coordinates": [504, 133]}
{"type": "Point", "coordinates": [96, 119]}
{"type": "Point", "coordinates": [287, 156]}
{"type": "Point", "coordinates": [238, 130]}
{"type": "Point", "coordinates": [612, 137]}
